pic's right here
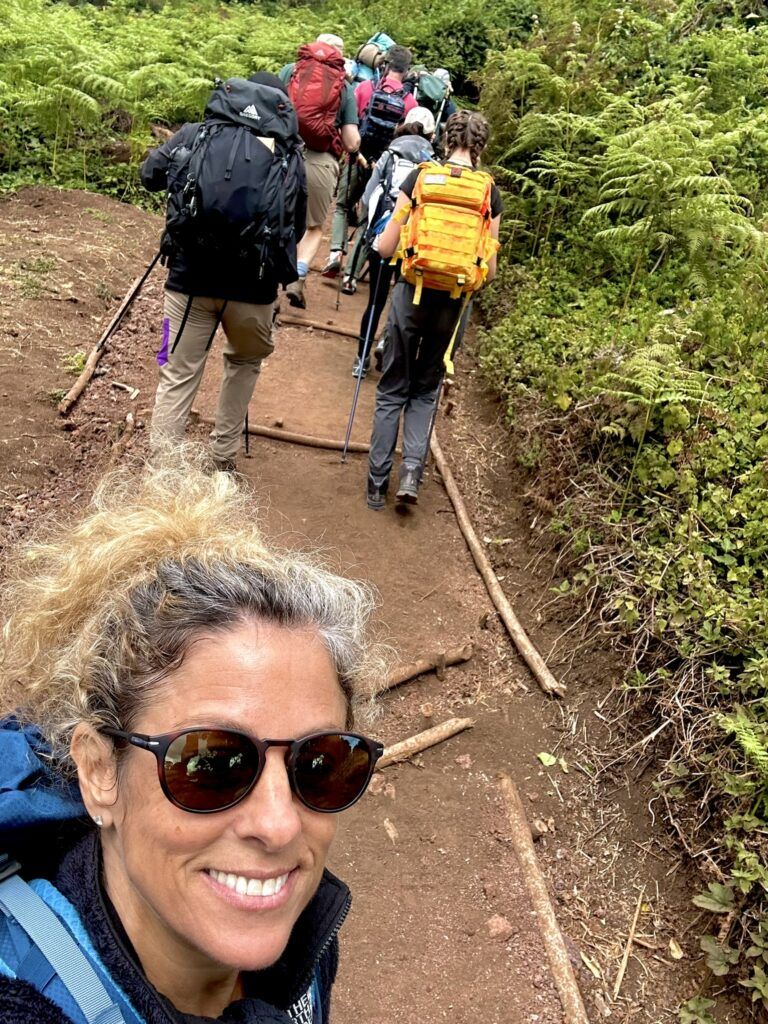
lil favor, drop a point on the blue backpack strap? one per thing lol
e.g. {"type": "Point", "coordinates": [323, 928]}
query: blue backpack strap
{"type": "Point", "coordinates": [53, 951]}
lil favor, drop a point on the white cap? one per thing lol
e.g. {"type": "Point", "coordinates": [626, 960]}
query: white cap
{"type": "Point", "coordinates": [443, 75]}
{"type": "Point", "coordinates": [331, 40]}
{"type": "Point", "coordinates": [425, 118]}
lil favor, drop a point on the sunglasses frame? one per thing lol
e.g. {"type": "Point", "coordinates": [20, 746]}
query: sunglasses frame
{"type": "Point", "coordinates": [159, 744]}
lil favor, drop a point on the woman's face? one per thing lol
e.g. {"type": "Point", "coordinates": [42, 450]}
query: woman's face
{"type": "Point", "coordinates": [165, 868]}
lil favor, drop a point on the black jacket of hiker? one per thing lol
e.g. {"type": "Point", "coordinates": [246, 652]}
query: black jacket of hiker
{"type": "Point", "coordinates": [268, 993]}
{"type": "Point", "coordinates": [221, 279]}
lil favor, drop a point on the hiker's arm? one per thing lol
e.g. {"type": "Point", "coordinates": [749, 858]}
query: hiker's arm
{"type": "Point", "coordinates": [390, 236]}
{"type": "Point", "coordinates": [495, 223]}
{"type": "Point", "coordinates": [350, 138]}
{"type": "Point", "coordinates": [154, 170]}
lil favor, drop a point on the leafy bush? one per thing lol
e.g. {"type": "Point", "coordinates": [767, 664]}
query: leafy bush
{"type": "Point", "coordinates": [629, 334]}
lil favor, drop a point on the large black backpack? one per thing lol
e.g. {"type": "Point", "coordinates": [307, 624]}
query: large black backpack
{"type": "Point", "coordinates": [385, 112]}
{"type": "Point", "coordinates": [232, 193]}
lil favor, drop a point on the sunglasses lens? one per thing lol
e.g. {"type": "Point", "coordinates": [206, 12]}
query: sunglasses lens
{"type": "Point", "coordinates": [209, 769]}
{"type": "Point", "coordinates": [332, 771]}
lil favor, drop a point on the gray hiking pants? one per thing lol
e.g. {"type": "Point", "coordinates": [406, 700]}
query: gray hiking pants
{"type": "Point", "coordinates": [417, 338]}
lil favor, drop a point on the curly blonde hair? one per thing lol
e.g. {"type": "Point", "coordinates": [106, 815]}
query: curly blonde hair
{"type": "Point", "coordinates": [101, 610]}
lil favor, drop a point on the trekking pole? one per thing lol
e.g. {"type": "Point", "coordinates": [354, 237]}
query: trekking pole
{"type": "Point", "coordinates": [432, 421]}
{"type": "Point", "coordinates": [447, 368]}
{"type": "Point", "coordinates": [131, 299]}
{"type": "Point", "coordinates": [438, 119]}
{"type": "Point", "coordinates": [247, 432]}
{"type": "Point", "coordinates": [362, 363]}
{"type": "Point", "coordinates": [346, 228]}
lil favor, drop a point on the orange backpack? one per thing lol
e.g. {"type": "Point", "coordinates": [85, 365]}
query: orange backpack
{"type": "Point", "coordinates": [446, 242]}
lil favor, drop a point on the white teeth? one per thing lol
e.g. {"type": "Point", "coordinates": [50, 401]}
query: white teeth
{"type": "Point", "coordinates": [249, 886]}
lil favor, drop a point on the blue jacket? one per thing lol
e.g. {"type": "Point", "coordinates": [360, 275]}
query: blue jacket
{"type": "Point", "coordinates": [42, 826]}
{"type": "Point", "coordinates": [272, 996]}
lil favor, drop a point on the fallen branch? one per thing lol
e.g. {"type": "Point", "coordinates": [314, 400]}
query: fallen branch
{"type": "Point", "coordinates": [297, 321]}
{"type": "Point", "coordinates": [422, 740]}
{"type": "Point", "coordinates": [628, 947]}
{"type": "Point", "coordinates": [98, 349]}
{"type": "Point", "coordinates": [306, 439]}
{"type": "Point", "coordinates": [554, 943]}
{"type": "Point", "coordinates": [123, 441]}
{"type": "Point", "coordinates": [530, 655]}
{"type": "Point", "coordinates": [436, 663]}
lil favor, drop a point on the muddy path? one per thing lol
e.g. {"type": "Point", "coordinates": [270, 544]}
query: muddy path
{"type": "Point", "coordinates": [427, 853]}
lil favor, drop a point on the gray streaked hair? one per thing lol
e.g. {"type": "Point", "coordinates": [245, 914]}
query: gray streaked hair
{"type": "Point", "coordinates": [103, 609]}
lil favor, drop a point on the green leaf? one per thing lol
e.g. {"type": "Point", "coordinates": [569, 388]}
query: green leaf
{"type": "Point", "coordinates": [548, 760]}
{"type": "Point", "coordinates": [718, 898]}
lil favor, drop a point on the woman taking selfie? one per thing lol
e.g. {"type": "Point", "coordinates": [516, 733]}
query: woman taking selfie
{"type": "Point", "coordinates": [199, 688]}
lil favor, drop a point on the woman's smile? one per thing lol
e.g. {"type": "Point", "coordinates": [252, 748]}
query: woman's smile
{"type": "Point", "coordinates": [252, 892]}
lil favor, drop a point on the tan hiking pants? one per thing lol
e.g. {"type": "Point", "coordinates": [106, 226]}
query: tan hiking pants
{"type": "Point", "coordinates": [248, 330]}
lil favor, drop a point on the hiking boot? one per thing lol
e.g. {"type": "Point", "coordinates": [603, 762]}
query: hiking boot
{"type": "Point", "coordinates": [408, 488]}
{"type": "Point", "coordinates": [225, 466]}
{"type": "Point", "coordinates": [295, 293]}
{"type": "Point", "coordinates": [357, 366]}
{"type": "Point", "coordinates": [333, 266]}
{"type": "Point", "coordinates": [350, 286]}
{"type": "Point", "coordinates": [376, 496]}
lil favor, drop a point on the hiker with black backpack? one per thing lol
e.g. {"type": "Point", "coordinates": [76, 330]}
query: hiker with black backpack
{"type": "Point", "coordinates": [445, 228]}
{"type": "Point", "coordinates": [381, 107]}
{"type": "Point", "coordinates": [324, 99]}
{"type": "Point", "coordinates": [236, 205]}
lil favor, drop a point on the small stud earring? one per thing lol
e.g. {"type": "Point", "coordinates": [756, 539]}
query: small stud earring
{"type": "Point", "coordinates": [98, 820]}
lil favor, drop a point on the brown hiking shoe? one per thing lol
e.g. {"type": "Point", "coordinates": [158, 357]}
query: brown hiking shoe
{"type": "Point", "coordinates": [295, 293]}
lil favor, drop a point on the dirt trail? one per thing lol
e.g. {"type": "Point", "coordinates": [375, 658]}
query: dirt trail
{"type": "Point", "coordinates": [417, 945]}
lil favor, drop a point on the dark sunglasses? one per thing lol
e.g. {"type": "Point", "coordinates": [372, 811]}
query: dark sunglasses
{"type": "Point", "coordinates": [207, 770]}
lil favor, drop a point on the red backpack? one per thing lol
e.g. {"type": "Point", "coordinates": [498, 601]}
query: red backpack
{"type": "Point", "coordinates": [315, 90]}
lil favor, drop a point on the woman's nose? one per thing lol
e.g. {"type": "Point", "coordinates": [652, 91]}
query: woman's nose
{"type": "Point", "coordinates": [270, 813]}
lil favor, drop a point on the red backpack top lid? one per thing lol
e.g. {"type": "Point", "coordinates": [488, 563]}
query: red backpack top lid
{"type": "Point", "coordinates": [315, 90]}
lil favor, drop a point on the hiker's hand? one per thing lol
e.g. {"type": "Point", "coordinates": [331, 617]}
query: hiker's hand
{"type": "Point", "coordinates": [362, 162]}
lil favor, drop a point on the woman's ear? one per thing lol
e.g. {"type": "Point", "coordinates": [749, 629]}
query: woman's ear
{"type": "Point", "coordinates": [94, 757]}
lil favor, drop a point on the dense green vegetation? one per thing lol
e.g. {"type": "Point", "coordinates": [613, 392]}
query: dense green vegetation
{"type": "Point", "coordinates": [632, 354]}
{"type": "Point", "coordinates": [81, 85]}
{"type": "Point", "coordinates": [628, 332]}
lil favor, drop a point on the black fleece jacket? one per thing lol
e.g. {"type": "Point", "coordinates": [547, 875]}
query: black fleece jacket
{"type": "Point", "coordinates": [268, 993]}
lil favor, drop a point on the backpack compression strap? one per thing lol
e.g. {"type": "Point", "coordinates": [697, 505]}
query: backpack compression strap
{"type": "Point", "coordinates": [19, 901]}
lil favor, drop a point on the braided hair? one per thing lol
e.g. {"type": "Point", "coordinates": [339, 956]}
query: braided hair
{"type": "Point", "coordinates": [466, 129]}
